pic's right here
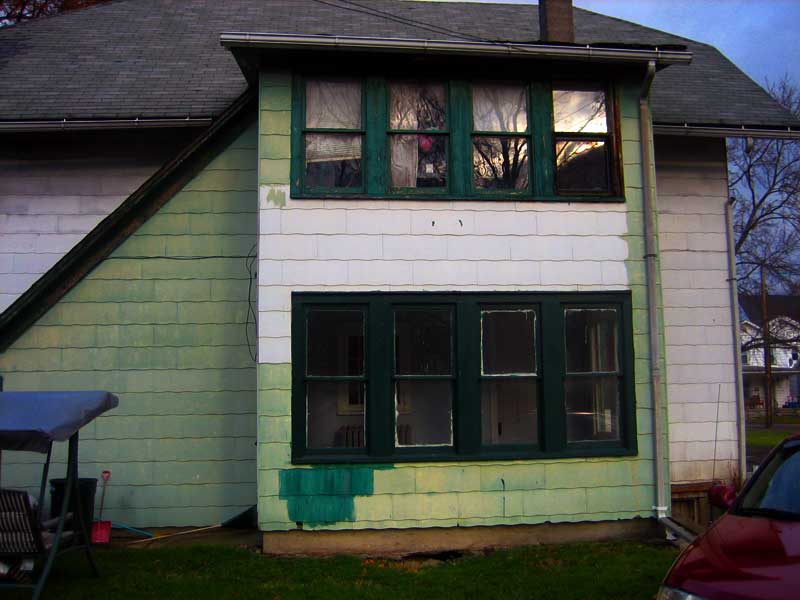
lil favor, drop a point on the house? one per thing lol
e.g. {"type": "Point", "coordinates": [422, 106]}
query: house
{"type": "Point", "coordinates": [456, 226]}
{"type": "Point", "coordinates": [784, 330]}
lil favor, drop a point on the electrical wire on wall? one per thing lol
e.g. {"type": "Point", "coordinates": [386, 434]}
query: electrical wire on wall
{"type": "Point", "coordinates": [250, 259]}
{"type": "Point", "coordinates": [252, 256]}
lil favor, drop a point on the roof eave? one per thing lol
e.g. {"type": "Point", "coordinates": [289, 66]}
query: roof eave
{"type": "Point", "coordinates": [576, 52]}
{"type": "Point", "coordinates": [789, 132]}
{"type": "Point", "coordinates": [65, 124]}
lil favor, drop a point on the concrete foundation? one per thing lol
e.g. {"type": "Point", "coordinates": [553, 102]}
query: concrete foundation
{"type": "Point", "coordinates": [404, 542]}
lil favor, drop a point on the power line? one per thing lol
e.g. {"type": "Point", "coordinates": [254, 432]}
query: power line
{"type": "Point", "coordinates": [372, 12]}
{"type": "Point", "coordinates": [416, 23]}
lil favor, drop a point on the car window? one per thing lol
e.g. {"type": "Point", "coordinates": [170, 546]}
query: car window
{"type": "Point", "coordinates": [778, 485]}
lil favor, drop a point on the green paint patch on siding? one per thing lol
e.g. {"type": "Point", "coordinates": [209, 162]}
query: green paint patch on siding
{"type": "Point", "coordinates": [276, 195]}
{"type": "Point", "coordinates": [319, 496]}
{"type": "Point", "coordinates": [327, 481]}
{"type": "Point", "coordinates": [161, 323]}
{"type": "Point", "coordinates": [323, 495]}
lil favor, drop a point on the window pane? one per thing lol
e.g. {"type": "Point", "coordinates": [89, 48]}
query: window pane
{"type": "Point", "coordinates": [581, 166]}
{"type": "Point", "coordinates": [508, 410]}
{"type": "Point", "coordinates": [592, 405]}
{"type": "Point", "coordinates": [422, 342]}
{"type": "Point", "coordinates": [416, 106]}
{"type": "Point", "coordinates": [591, 340]}
{"type": "Point", "coordinates": [335, 342]}
{"type": "Point", "coordinates": [333, 104]}
{"type": "Point", "coordinates": [500, 108]}
{"type": "Point", "coordinates": [579, 111]}
{"type": "Point", "coordinates": [424, 413]}
{"type": "Point", "coordinates": [333, 160]}
{"type": "Point", "coordinates": [500, 163]}
{"type": "Point", "coordinates": [508, 342]}
{"type": "Point", "coordinates": [335, 414]}
{"type": "Point", "coordinates": [418, 161]}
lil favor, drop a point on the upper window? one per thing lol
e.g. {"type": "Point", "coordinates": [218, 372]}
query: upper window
{"type": "Point", "coordinates": [334, 135]}
{"type": "Point", "coordinates": [418, 136]}
{"type": "Point", "coordinates": [381, 137]}
{"type": "Point", "coordinates": [500, 144]}
{"type": "Point", "coordinates": [381, 377]}
{"type": "Point", "coordinates": [581, 135]}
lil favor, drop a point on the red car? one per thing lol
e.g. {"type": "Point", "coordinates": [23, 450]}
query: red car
{"type": "Point", "coordinates": [752, 552]}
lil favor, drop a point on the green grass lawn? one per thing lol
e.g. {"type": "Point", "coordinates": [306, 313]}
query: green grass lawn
{"type": "Point", "coordinates": [779, 419]}
{"type": "Point", "coordinates": [767, 437]}
{"type": "Point", "coordinates": [614, 571]}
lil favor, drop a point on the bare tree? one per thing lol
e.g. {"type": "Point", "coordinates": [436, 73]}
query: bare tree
{"type": "Point", "coordinates": [18, 11]}
{"type": "Point", "coordinates": [764, 176]}
{"type": "Point", "coordinates": [765, 181]}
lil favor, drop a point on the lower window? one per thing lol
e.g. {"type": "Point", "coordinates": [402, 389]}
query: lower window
{"type": "Point", "coordinates": [393, 377]}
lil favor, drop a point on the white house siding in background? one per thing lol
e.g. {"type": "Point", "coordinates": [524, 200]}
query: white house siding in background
{"type": "Point", "coordinates": [692, 183]}
{"type": "Point", "coordinates": [782, 356]}
{"type": "Point", "coordinates": [755, 387]}
{"type": "Point", "coordinates": [49, 200]}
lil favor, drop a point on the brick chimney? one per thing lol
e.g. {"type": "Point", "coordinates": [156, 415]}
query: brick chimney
{"type": "Point", "coordinates": [555, 21]}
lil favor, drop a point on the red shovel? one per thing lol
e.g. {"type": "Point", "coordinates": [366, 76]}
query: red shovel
{"type": "Point", "coordinates": [101, 530]}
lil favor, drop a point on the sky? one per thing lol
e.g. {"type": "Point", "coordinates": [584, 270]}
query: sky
{"type": "Point", "coordinates": [759, 36]}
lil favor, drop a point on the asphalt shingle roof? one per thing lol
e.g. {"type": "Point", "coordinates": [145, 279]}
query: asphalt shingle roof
{"type": "Point", "coordinates": [162, 58]}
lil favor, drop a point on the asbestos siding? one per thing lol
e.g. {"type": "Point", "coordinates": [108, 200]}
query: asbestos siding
{"type": "Point", "coordinates": [692, 181]}
{"type": "Point", "coordinates": [341, 245]}
{"type": "Point", "coordinates": [54, 188]}
{"type": "Point", "coordinates": [168, 337]}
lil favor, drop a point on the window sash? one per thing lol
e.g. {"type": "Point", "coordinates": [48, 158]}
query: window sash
{"type": "Point", "coordinates": [459, 133]}
{"type": "Point", "coordinates": [380, 378]}
{"type": "Point", "coordinates": [607, 140]}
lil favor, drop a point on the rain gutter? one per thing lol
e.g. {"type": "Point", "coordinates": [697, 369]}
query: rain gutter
{"type": "Point", "coordinates": [98, 124]}
{"type": "Point", "coordinates": [784, 133]}
{"type": "Point", "coordinates": [677, 529]}
{"type": "Point", "coordinates": [648, 208]}
{"type": "Point", "coordinates": [737, 339]}
{"type": "Point", "coordinates": [587, 52]}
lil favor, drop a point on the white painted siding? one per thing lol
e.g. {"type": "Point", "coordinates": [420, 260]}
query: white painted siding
{"type": "Point", "coordinates": [54, 189]}
{"type": "Point", "coordinates": [407, 245]}
{"type": "Point", "coordinates": [692, 185]}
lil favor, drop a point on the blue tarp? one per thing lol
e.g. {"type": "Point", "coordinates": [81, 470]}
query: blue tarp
{"type": "Point", "coordinates": [32, 420]}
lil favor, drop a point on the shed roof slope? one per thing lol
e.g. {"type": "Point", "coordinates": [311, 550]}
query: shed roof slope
{"type": "Point", "coordinates": [162, 58]}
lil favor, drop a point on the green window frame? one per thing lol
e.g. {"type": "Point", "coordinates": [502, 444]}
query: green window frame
{"type": "Point", "coordinates": [459, 131]}
{"type": "Point", "coordinates": [544, 371]}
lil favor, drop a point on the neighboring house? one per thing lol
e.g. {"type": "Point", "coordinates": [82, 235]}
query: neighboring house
{"type": "Point", "coordinates": [783, 312]}
{"type": "Point", "coordinates": [455, 231]}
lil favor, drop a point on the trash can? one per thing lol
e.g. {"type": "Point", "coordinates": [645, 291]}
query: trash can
{"type": "Point", "coordinates": [87, 487]}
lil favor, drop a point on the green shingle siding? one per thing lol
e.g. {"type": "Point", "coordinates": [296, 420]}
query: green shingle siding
{"type": "Point", "coordinates": [168, 337]}
{"type": "Point", "coordinates": [636, 272]}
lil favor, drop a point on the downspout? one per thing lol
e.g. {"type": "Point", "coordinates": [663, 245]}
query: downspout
{"type": "Point", "coordinates": [737, 339]}
{"type": "Point", "coordinates": [645, 138]}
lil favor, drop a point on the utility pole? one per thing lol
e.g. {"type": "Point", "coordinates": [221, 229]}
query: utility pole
{"type": "Point", "coordinates": [765, 334]}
